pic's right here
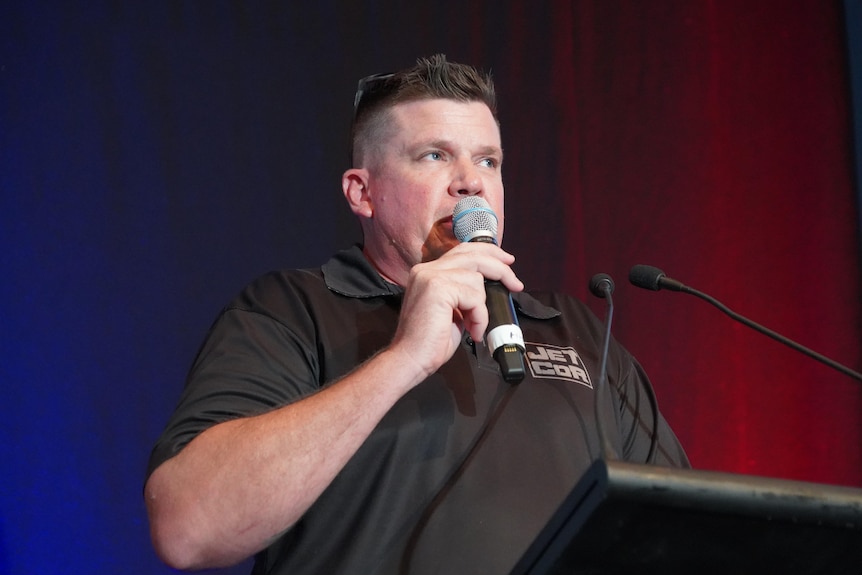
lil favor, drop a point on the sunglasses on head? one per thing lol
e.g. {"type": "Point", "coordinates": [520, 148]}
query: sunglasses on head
{"type": "Point", "coordinates": [368, 85]}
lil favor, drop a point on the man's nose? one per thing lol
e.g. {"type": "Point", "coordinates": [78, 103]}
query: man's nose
{"type": "Point", "coordinates": [466, 180]}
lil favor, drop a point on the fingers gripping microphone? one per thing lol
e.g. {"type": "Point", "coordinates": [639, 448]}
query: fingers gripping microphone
{"type": "Point", "coordinates": [473, 220]}
{"type": "Point", "coordinates": [652, 278]}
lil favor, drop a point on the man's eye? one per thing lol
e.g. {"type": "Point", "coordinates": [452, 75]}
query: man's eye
{"type": "Point", "coordinates": [434, 156]}
{"type": "Point", "coordinates": [489, 163]}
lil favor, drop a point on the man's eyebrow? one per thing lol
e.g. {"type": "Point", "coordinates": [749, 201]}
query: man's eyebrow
{"type": "Point", "coordinates": [491, 151]}
{"type": "Point", "coordinates": [443, 144]}
{"type": "Point", "coordinates": [495, 152]}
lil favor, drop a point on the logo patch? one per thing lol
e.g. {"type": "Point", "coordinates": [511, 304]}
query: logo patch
{"type": "Point", "coordinates": [554, 362]}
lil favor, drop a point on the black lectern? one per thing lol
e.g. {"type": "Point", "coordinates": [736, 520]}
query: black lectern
{"type": "Point", "coordinates": [631, 518]}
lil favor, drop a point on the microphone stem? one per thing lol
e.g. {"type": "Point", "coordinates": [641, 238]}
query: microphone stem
{"type": "Point", "coordinates": [768, 332]}
{"type": "Point", "coordinates": [608, 452]}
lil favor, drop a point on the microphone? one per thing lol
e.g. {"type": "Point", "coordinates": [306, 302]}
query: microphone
{"type": "Point", "coordinates": [652, 278]}
{"type": "Point", "coordinates": [602, 286]}
{"type": "Point", "coordinates": [473, 220]}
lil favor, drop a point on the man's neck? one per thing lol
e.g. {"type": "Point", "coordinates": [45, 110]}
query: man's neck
{"type": "Point", "coordinates": [378, 268]}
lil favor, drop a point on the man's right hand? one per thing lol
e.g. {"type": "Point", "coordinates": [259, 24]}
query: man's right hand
{"type": "Point", "coordinates": [446, 296]}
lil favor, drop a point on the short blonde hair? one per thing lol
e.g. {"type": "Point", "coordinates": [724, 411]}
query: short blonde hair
{"type": "Point", "coordinates": [431, 78]}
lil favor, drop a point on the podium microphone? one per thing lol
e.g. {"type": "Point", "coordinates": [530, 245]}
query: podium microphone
{"type": "Point", "coordinates": [652, 278]}
{"type": "Point", "coordinates": [602, 286]}
{"type": "Point", "coordinates": [473, 220]}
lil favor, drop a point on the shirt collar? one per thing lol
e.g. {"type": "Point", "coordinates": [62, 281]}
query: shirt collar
{"type": "Point", "coordinates": [349, 273]}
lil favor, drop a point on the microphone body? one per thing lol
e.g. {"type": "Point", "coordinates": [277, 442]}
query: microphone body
{"type": "Point", "coordinates": [474, 221]}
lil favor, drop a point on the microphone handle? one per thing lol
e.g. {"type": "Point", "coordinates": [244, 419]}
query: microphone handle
{"type": "Point", "coordinates": [503, 325]}
{"type": "Point", "coordinates": [768, 332]}
{"type": "Point", "coordinates": [503, 336]}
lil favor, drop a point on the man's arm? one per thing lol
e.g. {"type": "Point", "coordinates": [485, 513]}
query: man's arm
{"type": "Point", "coordinates": [242, 483]}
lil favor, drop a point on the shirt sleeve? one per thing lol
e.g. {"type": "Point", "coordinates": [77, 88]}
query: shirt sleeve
{"type": "Point", "coordinates": [250, 363]}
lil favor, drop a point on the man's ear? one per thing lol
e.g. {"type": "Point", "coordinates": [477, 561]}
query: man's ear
{"type": "Point", "coordinates": [354, 184]}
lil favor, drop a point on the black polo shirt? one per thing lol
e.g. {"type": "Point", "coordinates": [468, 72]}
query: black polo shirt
{"type": "Point", "coordinates": [465, 469]}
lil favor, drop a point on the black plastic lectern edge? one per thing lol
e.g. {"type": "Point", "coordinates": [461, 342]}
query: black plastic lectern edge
{"type": "Point", "coordinates": [622, 516]}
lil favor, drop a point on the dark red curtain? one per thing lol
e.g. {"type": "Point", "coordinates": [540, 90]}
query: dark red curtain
{"type": "Point", "coordinates": [711, 139]}
{"type": "Point", "coordinates": [155, 157]}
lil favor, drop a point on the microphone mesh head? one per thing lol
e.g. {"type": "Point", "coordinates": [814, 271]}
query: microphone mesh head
{"type": "Point", "coordinates": [472, 218]}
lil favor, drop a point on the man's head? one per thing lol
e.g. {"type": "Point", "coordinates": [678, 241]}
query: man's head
{"type": "Point", "coordinates": [431, 78]}
{"type": "Point", "coordinates": [425, 138]}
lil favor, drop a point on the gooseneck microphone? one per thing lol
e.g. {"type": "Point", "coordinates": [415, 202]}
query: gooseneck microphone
{"type": "Point", "coordinates": [473, 220]}
{"type": "Point", "coordinates": [602, 286]}
{"type": "Point", "coordinates": [652, 278]}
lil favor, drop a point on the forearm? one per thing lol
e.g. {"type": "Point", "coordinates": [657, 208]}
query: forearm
{"type": "Point", "coordinates": [242, 483]}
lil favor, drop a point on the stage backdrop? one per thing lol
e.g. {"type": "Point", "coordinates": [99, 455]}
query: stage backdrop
{"type": "Point", "coordinates": [156, 156]}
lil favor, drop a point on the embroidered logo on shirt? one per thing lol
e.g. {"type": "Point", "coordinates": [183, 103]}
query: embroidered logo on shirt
{"type": "Point", "coordinates": [554, 362]}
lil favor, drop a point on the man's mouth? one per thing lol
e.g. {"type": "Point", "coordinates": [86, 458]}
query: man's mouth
{"type": "Point", "coordinates": [446, 224]}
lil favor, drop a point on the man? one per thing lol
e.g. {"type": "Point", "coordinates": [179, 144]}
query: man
{"type": "Point", "coordinates": [349, 419]}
